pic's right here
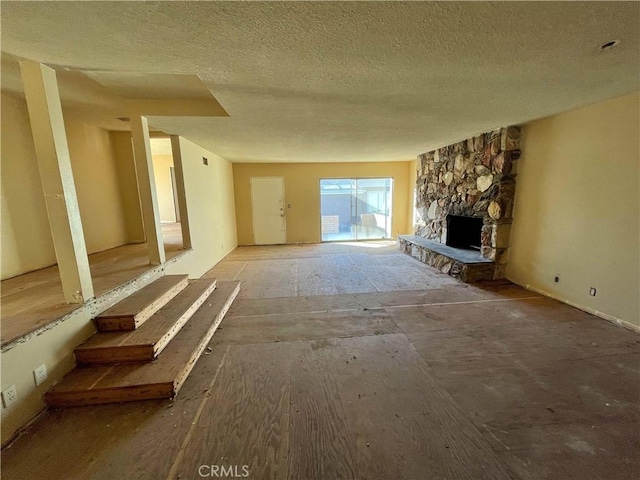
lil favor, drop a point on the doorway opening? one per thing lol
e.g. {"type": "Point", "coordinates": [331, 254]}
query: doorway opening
{"type": "Point", "coordinates": [167, 178]}
{"type": "Point", "coordinates": [355, 208]}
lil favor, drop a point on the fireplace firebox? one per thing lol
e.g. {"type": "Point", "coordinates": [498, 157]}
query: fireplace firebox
{"type": "Point", "coordinates": [464, 232]}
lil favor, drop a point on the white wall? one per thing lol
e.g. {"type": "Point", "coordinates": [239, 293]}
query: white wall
{"type": "Point", "coordinates": [577, 211]}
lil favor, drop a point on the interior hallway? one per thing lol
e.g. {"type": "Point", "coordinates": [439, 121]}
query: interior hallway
{"type": "Point", "coordinates": [356, 361]}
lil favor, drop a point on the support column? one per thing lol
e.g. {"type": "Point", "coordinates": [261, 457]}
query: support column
{"type": "Point", "coordinates": [182, 196]}
{"type": "Point", "coordinates": [56, 175]}
{"type": "Point", "coordinates": [147, 187]}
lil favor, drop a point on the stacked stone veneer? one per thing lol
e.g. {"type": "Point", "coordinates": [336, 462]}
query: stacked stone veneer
{"type": "Point", "coordinates": [473, 178]}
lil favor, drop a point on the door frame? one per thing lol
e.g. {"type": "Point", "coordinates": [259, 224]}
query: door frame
{"type": "Point", "coordinates": [391, 186]}
{"type": "Point", "coordinates": [284, 208]}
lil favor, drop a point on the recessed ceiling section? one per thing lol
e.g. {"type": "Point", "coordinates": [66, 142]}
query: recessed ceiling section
{"type": "Point", "coordinates": [152, 85]}
{"type": "Point", "coordinates": [105, 98]}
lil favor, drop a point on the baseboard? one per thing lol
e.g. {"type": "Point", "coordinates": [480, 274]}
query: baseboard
{"type": "Point", "coordinates": [597, 313]}
{"type": "Point", "coordinates": [23, 428]}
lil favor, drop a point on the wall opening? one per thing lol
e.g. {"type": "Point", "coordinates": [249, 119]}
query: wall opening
{"type": "Point", "coordinates": [168, 185]}
{"type": "Point", "coordinates": [464, 232]}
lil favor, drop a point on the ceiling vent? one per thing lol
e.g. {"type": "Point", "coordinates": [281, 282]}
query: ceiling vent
{"type": "Point", "coordinates": [609, 45]}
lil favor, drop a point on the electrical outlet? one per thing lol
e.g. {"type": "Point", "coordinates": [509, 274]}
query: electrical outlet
{"type": "Point", "coordinates": [556, 278]}
{"type": "Point", "coordinates": [9, 396]}
{"type": "Point", "coordinates": [40, 374]}
{"type": "Point", "coordinates": [592, 292]}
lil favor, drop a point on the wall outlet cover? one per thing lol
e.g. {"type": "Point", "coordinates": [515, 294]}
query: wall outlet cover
{"type": "Point", "coordinates": [9, 395]}
{"type": "Point", "coordinates": [592, 292]}
{"type": "Point", "coordinates": [40, 374]}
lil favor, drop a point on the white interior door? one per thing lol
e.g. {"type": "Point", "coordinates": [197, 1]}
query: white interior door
{"type": "Point", "coordinates": [268, 209]}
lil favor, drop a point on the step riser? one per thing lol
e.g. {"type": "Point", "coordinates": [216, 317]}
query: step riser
{"type": "Point", "coordinates": [140, 353]}
{"type": "Point", "coordinates": [104, 356]}
{"type": "Point", "coordinates": [128, 394]}
{"type": "Point", "coordinates": [205, 341]}
{"type": "Point", "coordinates": [158, 379]}
{"type": "Point", "coordinates": [127, 323]}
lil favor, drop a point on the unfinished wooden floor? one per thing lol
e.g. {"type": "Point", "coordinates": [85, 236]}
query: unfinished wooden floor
{"type": "Point", "coordinates": [360, 362]}
{"type": "Point", "coordinates": [35, 299]}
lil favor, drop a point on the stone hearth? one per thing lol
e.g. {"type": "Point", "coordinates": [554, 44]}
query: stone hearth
{"type": "Point", "coordinates": [473, 178]}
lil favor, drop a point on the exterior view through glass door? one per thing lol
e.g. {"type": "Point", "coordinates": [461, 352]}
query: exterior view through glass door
{"type": "Point", "coordinates": [355, 208]}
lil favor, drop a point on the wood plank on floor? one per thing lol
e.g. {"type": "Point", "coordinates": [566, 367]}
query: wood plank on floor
{"type": "Point", "coordinates": [376, 412]}
{"type": "Point", "coordinates": [449, 294]}
{"type": "Point", "coordinates": [136, 441]}
{"type": "Point", "coordinates": [245, 421]}
{"type": "Point", "coordinates": [146, 342]}
{"type": "Point", "coordinates": [305, 326]}
{"type": "Point", "coordinates": [161, 378]}
{"type": "Point", "coordinates": [134, 310]}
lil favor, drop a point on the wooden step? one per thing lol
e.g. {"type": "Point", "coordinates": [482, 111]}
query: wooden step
{"type": "Point", "coordinates": [161, 378]}
{"type": "Point", "coordinates": [132, 312]}
{"type": "Point", "coordinates": [146, 342]}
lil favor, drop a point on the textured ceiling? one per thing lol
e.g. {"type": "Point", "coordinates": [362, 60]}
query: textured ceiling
{"type": "Point", "coordinates": [346, 81]}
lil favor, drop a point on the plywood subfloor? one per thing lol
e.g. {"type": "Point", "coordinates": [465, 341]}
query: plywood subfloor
{"type": "Point", "coordinates": [35, 299]}
{"type": "Point", "coordinates": [450, 381]}
{"type": "Point", "coordinates": [326, 269]}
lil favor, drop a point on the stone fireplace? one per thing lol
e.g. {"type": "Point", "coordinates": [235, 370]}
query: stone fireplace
{"type": "Point", "coordinates": [464, 200]}
{"type": "Point", "coordinates": [464, 232]}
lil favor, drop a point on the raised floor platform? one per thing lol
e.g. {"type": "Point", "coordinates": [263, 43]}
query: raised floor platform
{"type": "Point", "coordinates": [34, 300]}
{"type": "Point", "coordinates": [467, 265]}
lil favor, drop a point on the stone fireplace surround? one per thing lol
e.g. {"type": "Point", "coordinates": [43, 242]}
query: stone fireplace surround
{"type": "Point", "coordinates": [472, 178]}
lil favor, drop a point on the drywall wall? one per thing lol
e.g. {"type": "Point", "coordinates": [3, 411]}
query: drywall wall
{"type": "Point", "coordinates": [577, 210]}
{"type": "Point", "coordinates": [411, 194]}
{"type": "Point", "coordinates": [95, 174]}
{"type": "Point", "coordinates": [302, 192]}
{"type": "Point", "coordinates": [26, 240]}
{"type": "Point", "coordinates": [54, 349]}
{"type": "Point", "coordinates": [211, 210]}
{"type": "Point", "coordinates": [209, 194]}
{"type": "Point", "coordinates": [164, 188]}
{"type": "Point", "coordinates": [128, 179]}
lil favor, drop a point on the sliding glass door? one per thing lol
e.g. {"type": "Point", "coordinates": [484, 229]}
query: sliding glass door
{"type": "Point", "coordinates": [355, 208]}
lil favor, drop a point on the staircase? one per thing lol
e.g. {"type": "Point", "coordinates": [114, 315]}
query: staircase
{"type": "Point", "coordinates": [147, 344]}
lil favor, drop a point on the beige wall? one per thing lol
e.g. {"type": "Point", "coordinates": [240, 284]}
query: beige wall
{"type": "Point", "coordinates": [411, 195]}
{"type": "Point", "coordinates": [302, 191]}
{"type": "Point", "coordinates": [54, 348]}
{"type": "Point", "coordinates": [211, 210]}
{"type": "Point", "coordinates": [164, 188]}
{"type": "Point", "coordinates": [577, 209]}
{"type": "Point", "coordinates": [128, 177]}
{"type": "Point", "coordinates": [95, 173]}
{"type": "Point", "coordinates": [26, 240]}
{"type": "Point", "coordinates": [209, 192]}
